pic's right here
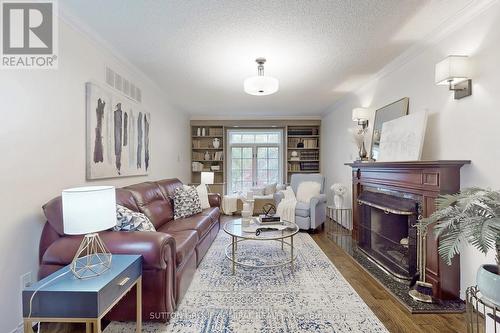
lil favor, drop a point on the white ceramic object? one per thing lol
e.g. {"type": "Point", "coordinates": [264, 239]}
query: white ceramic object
{"type": "Point", "coordinates": [216, 143]}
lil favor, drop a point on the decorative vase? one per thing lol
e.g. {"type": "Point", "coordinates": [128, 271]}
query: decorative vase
{"type": "Point", "coordinates": [198, 132]}
{"type": "Point", "coordinates": [338, 201]}
{"type": "Point", "coordinates": [300, 144]}
{"type": "Point", "coordinates": [362, 152]}
{"type": "Point", "coordinates": [216, 143]}
{"type": "Point", "coordinates": [488, 283]}
{"type": "Point", "coordinates": [207, 156]}
{"type": "Point", "coordinates": [203, 132]}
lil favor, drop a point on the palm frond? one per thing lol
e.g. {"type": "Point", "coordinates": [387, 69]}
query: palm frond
{"type": "Point", "coordinates": [470, 216]}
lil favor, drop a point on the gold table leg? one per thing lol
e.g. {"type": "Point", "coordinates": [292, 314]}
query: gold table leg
{"type": "Point", "coordinates": [291, 251]}
{"type": "Point", "coordinates": [88, 327]}
{"type": "Point", "coordinates": [233, 253]}
{"type": "Point", "coordinates": [281, 240]}
{"type": "Point", "coordinates": [138, 288]}
{"type": "Point", "coordinates": [97, 326]}
{"type": "Point", "coordinates": [28, 328]}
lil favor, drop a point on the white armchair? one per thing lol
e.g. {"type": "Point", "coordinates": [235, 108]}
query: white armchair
{"type": "Point", "coordinates": [307, 215]}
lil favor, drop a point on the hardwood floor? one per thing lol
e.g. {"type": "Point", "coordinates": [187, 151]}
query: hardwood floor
{"type": "Point", "coordinates": [387, 309]}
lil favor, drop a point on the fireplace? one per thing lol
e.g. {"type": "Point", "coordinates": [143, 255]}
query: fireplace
{"type": "Point", "coordinates": [387, 232]}
{"type": "Point", "coordinates": [392, 196]}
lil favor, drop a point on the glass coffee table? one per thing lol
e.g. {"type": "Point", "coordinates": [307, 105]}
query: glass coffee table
{"type": "Point", "coordinates": [240, 232]}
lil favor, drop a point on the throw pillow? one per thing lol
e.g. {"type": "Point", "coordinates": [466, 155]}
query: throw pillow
{"type": "Point", "coordinates": [307, 191]}
{"type": "Point", "coordinates": [270, 189]}
{"type": "Point", "coordinates": [186, 202]}
{"type": "Point", "coordinates": [203, 194]}
{"type": "Point", "coordinates": [258, 190]}
{"type": "Point", "coordinates": [128, 220]}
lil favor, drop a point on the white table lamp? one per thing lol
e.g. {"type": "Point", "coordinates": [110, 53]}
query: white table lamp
{"type": "Point", "coordinates": [207, 178]}
{"type": "Point", "coordinates": [86, 211]}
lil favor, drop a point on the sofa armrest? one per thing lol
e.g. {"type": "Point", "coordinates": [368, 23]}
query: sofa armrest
{"type": "Point", "coordinates": [156, 248]}
{"type": "Point", "coordinates": [278, 196]}
{"type": "Point", "coordinates": [214, 199]}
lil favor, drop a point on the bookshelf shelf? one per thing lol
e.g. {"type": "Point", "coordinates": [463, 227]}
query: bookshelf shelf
{"type": "Point", "coordinates": [309, 154]}
{"type": "Point", "coordinates": [200, 145]}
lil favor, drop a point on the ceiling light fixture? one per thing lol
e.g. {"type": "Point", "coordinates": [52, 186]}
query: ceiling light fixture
{"type": "Point", "coordinates": [260, 85]}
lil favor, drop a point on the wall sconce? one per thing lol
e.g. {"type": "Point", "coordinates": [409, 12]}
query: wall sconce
{"type": "Point", "coordinates": [454, 71]}
{"type": "Point", "coordinates": [361, 116]}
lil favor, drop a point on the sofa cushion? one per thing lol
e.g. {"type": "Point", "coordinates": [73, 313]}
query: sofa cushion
{"type": "Point", "coordinates": [185, 244]}
{"type": "Point", "coordinates": [151, 202]}
{"type": "Point", "coordinates": [302, 209]}
{"type": "Point", "coordinates": [199, 223]}
{"type": "Point", "coordinates": [126, 199]}
{"type": "Point", "coordinates": [186, 202]}
{"type": "Point", "coordinates": [168, 186]}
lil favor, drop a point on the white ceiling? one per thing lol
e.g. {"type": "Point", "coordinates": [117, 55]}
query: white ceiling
{"type": "Point", "coordinates": [200, 51]}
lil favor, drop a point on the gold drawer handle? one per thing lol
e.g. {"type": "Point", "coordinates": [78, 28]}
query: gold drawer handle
{"type": "Point", "coordinates": [123, 282]}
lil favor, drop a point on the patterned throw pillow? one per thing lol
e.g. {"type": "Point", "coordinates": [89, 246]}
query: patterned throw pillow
{"type": "Point", "coordinates": [186, 202]}
{"type": "Point", "coordinates": [128, 220]}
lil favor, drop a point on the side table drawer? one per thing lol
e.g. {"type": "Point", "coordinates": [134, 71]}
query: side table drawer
{"type": "Point", "coordinates": [115, 289]}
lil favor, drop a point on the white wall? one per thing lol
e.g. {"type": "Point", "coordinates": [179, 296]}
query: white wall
{"type": "Point", "coordinates": [42, 140]}
{"type": "Point", "coordinates": [457, 129]}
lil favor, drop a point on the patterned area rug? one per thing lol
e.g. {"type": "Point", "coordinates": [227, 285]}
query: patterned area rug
{"type": "Point", "coordinates": [313, 298]}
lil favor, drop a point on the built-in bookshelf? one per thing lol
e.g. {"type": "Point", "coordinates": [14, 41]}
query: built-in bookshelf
{"type": "Point", "coordinates": [303, 150]}
{"type": "Point", "coordinates": [207, 154]}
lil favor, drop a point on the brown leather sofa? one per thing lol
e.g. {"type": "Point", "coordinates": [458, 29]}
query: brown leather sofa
{"type": "Point", "coordinates": [170, 255]}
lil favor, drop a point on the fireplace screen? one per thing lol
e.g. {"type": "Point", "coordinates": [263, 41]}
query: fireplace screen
{"type": "Point", "coordinates": [387, 233]}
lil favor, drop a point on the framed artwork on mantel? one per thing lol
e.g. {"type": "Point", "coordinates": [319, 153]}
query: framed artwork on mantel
{"type": "Point", "coordinates": [402, 139]}
{"type": "Point", "coordinates": [118, 135]}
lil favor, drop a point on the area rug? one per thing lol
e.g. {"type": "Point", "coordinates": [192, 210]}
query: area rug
{"type": "Point", "coordinates": [313, 298]}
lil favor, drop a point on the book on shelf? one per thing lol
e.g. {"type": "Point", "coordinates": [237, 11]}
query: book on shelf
{"type": "Point", "coordinates": [303, 131]}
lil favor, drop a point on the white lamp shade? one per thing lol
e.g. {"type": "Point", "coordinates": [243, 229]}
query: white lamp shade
{"type": "Point", "coordinates": [207, 178]}
{"type": "Point", "coordinates": [454, 69]}
{"type": "Point", "coordinates": [360, 114]}
{"type": "Point", "coordinates": [88, 209]}
{"type": "Point", "coordinates": [261, 85]}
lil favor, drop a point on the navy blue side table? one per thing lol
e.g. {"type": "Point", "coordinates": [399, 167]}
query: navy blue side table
{"type": "Point", "coordinates": [71, 300]}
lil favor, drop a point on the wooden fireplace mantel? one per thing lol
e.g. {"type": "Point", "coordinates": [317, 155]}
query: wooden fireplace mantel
{"type": "Point", "coordinates": [425, 180]}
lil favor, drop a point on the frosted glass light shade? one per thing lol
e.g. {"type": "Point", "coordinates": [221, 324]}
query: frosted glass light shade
{"type": "Point", "coordinates": [360, 114]}
{"type": "Point", "coordinates": [453, 69]}
{"type": "Point", "coordinates": [88, 209]}
{"type": "Point", "coordinates": [207, 178]}
{"type": "Point", "coordinates": [261, 85]}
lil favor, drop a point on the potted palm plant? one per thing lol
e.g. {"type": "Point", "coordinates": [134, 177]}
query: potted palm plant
{"type": "Point", "coordinates": [471, 216]}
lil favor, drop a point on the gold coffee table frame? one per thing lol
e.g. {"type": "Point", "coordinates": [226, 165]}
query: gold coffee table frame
{"type": "Point", "coordinates": [235, 230]}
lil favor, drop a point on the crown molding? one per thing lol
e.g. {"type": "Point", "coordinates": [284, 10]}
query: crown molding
{"type": "Point", "coordinates": [450, 25]}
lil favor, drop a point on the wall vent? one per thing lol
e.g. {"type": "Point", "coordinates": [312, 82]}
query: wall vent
{"type": "Point", "coordinates": [123, 85]}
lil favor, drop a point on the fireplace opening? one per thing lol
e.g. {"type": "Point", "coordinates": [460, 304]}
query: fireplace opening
{"type": "Point", "coordinates": [387, 233]}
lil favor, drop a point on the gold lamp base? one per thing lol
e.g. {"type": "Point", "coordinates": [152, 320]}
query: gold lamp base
{"type": "Point", "coordinates": [92, 258]}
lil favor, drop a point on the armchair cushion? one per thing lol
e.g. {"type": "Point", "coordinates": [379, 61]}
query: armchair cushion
{"type": "Point", "coordinates": [302, 209]}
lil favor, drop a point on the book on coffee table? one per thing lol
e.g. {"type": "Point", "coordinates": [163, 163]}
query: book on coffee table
{"type": "Point", "coordinates": [269, 219]}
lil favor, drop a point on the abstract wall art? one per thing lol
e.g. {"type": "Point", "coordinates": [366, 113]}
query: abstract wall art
{"type": "Point", "coordinates": [118, 135]}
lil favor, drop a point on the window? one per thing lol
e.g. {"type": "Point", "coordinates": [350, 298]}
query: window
{"type": "Point", "coordinates": [255, 158]}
